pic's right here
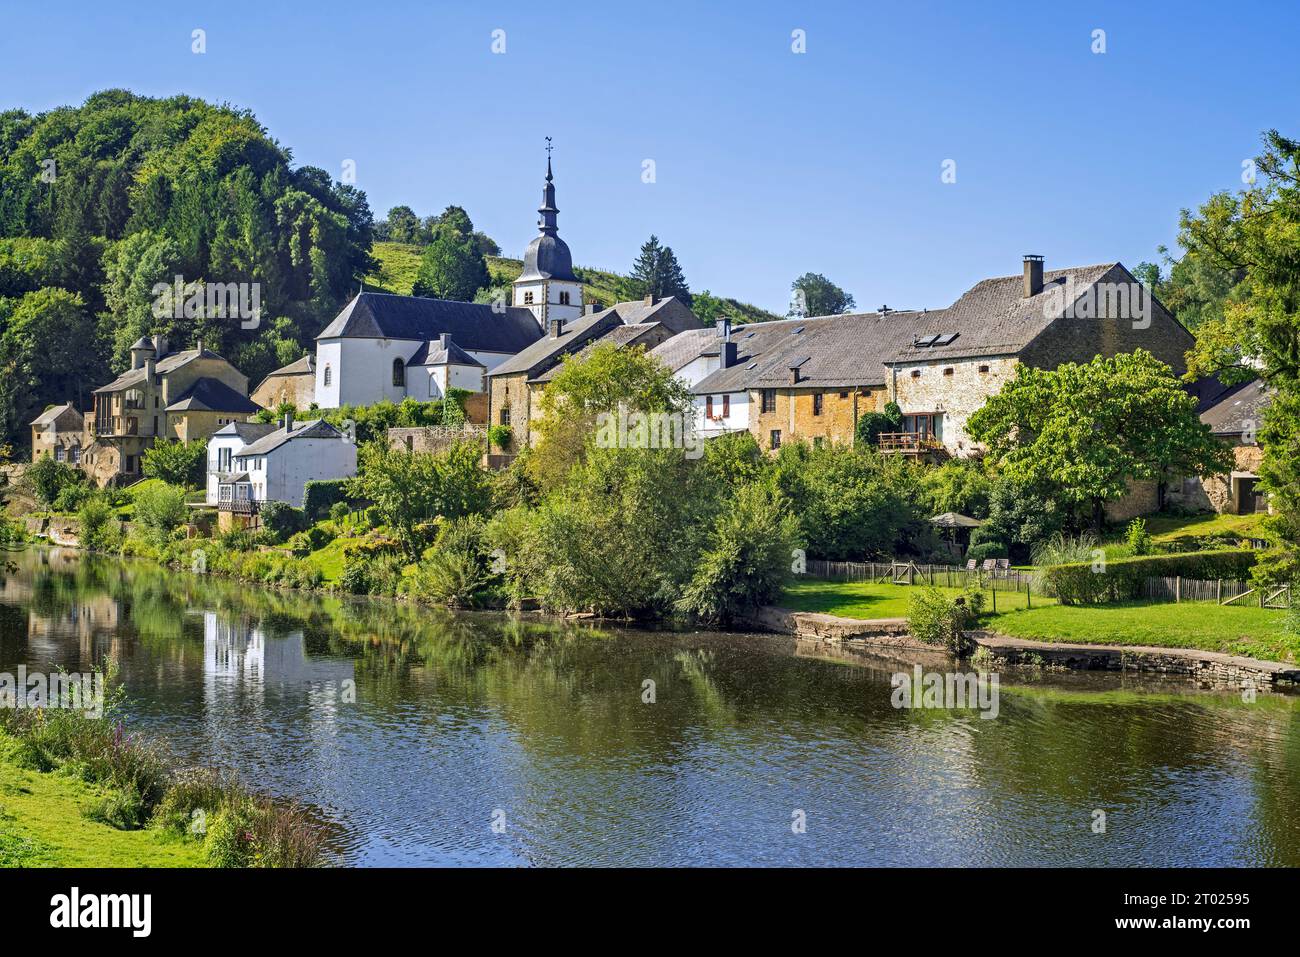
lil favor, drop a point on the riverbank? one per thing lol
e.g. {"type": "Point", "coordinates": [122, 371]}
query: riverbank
{"type": "Point", "coordinates": [45, 822]}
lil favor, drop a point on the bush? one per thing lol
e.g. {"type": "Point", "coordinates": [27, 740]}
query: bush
{"type": "Point", "coordinates": [97, 527]}
{"type": "Point", "coordinates": [1063, 549]}
{"type": "Point", "coordinates": [160, 510]}
{"type": "Point", "coordinates": [46, 478]}
{"type": "Point", "coordinates": [280, 520]}
{"type": "Point", "coordinates": [1124, 578]}
{"type": "Point", "coordinates": [319, 498]}
{"type": "Point", "coordinates": [123, 810]}
{"type": "Point", "coordinates": [454, 571]}
{"type": "Point", "coordinates": [871, 424]}
{"type": "Point", "coordinates": [499, 436]}
{"type": "Point", "coordinates": [986, 550]}
{"type": "Point", "coordinates": [747, 559]}
{"type": "Point", "coordinates": [339, 511]}
{"type": "Point", "coordinates": [936, 619]}
{"type": "Point", "coordinates": [176, 463]}
{"type": "Point", "coordinates": [1138, 538]}
{"type": "Point", "coordinates": [72, 497]}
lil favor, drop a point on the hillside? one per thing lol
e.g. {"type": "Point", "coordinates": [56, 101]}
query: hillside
{"type": "Point", "coordinates": [400, 262]}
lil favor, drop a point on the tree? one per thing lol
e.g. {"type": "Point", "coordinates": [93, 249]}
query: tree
{"type": "Point", "coordinates": [812, 294]}
{"type": "Point", "coordinates": [656, 272]}
{"type": "Point", "coordinates": [403, 226]}
{"type": "Point", "coordinates": [47, 478]}
{"type": "Point", "coordinates": [452, 267]}
{"type": "Point", "coordinates": [48, 354]}
{"type": "Point", "coordinates": [872, 424]}
{"type": "Point", "coordinates": [176, 463]}
{"type": "Point", "coordinates": [604, 380]}
{"type": "Point", "coordinates": [411, 489]}
{"type": "Point", "coordinates": [1086, 431]}
{"type": "Point", "coordinates": [159, 510]}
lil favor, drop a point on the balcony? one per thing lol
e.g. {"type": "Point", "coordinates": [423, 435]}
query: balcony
{"type": "Point", "coordinates": [911, 443]}
{"type": "Point", "coordinates": [240, 506]}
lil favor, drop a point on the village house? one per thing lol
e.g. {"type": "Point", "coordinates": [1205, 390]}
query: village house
{"type": "Point", "coordinates": [809, 379]}
{"type": "Point", "coordinates": [249, 467]}
{"type": "Point", "coordinates": [515, 386]}
{"type": "Point", "coordinates": [1234, 417]}
{"type": "Point", "coordinates": [183, 396]}
{"type": "Point", "coordinates": [59, 431]}
{"type": "Point", "coordinates": [294, 384]}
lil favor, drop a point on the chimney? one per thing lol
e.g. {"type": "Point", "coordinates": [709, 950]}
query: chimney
{"type": "Point", "coordinates": [148, 369]}
{"type": "Point", "coordinates": [794, 375]}
{"type": "Point", "coordinates": [159, 346]}
{"type": "Point", "coordinates": [444, 340]}
{"type": "Point", "coordinates": [557, 327]}
{"type": "Point", "coordinates": [286, 421]}
{"type": "Point", "coordinates": [591, 308]}
{"type": "Point", "coordinates": [727, 357]}
{"type": "Point", "coordinates": [1033, 275]}
{"type": "Point", "coordinates": [651, 299]}
{"type": "Point", "coordinates": [724, 328]}
{"type": "Point", "coordinates": [199, 346]}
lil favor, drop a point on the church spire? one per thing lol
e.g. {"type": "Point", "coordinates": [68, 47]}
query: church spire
{"type": "Point", "coordinates": [548, 209]}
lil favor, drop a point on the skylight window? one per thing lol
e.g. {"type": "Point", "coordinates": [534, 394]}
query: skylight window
{"type": "Point", "coordinates": [797, 331]}
{"type": "Point", "coordinates": [945, 339]}
{"type": "Point", "coordinates": [925, 342]}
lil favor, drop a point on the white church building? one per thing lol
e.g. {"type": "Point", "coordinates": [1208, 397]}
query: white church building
{"type": "Point", "coordinates": [383, 346]}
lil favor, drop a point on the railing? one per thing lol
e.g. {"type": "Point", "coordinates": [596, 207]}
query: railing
{"type": "Point", "coordinates": [908, 442]}
{"type": "Point", "coordinates": [240, 506]}
{"type": "Point", "coordinates": [911, 573]}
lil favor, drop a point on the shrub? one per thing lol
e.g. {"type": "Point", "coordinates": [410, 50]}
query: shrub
{"type": "Point", "coordinates": [747, 559]}
{"type": "Point", "coordinates": [937, 619]}
{"type": "Point", "coordinates": [455, 570]}
{"type": "Point", "coordinates": [871, 424]}
{"type": "Point", "coordinates": [1123, 579]}
{"type": "Point", "coordinates": [499, 436]}
{"type": "Point", "coordinates": [229, 841]}
{"type": "Point", "coordinates": [319, 498]}
{"type": "Point", "coordinates": [159, 510]}
{"type": "Point", "coordinates": [72, 496]}
{"type": "Point", "coordinates": [339, 511]}
{"type": "Point", "coordinates": [176, 463]}
{"type": "Point", "coordinates": [1063, 549]}
{"type": "Point", "coordinates": [122, 809]}
{"type": "Point", "coordinates": [1138, 538]}
{"type": "Point", "coordinates": [97, 528]}
{"type": "Point", "coordinates": [46, 478]}
{"type": "Point", "coordinates": [280, 520]}
{"type": "Point", "coordinates": [986, 550]}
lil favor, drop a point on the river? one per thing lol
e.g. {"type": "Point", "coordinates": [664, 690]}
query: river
{"type": "Point", "coordinates": [431, 738]}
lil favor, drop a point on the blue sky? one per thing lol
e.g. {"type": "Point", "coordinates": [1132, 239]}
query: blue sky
{"type": "Point", "coordinates": [768, 163]}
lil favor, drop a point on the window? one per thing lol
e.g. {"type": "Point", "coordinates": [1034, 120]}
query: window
{"type": "Point", "coordinates": [505, 416]}
{"type": "Point", "coordinates": [708, 407]}
{"type": "Point", "coordinates": [60, 453]}
{"type": "Point", "coordinates": [399, 372]}
{"type": "Point", "coordinates": [817, 403]}
{"type": "Point", "coordinates": [726, 406]}
{"type": "Point", "coordinates": [775, 438]}
{"type": "Point", "coordinates": [819, 441]}
{"type": "Point", "coordinates": [984, 368]}
{"type": "Point", "coordinates": [130, 464]}
{"type": "Point", "coordinates": [769, 400]}
{"type": "Point", "coordinates": [223, 460]}
{"type": "Point", "coordinates": [76, 455]}
{"type": "Point", "coordinates": [916, 373]}
{"type": "Point", "coordinates": [564, 299]}
{"type": "Point", "coordinates": [845, 395]}
{"type": "Point", "coordinates": [528, 299]}
{"type": "Point", "coordinates": [329, 376]}
{"type": "Point", "coordinates": [948, 371]}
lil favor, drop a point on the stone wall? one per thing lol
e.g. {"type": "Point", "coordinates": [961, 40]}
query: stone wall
{"type": "Point", "coordinates": [512, 392]}
{"type": "Point", "coordinates": [275, 389]}
{"type": "Point", "coordinates": [957, 388]}
{"type": "Point", "coordinates": [435, 438]}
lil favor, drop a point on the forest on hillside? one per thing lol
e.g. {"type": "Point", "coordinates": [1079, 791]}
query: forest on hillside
{"type": "Point", "coordinates": [100, 202]}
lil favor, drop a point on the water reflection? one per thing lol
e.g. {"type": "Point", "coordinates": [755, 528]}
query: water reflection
{"type": "Point", "coordinates": [411, 727]}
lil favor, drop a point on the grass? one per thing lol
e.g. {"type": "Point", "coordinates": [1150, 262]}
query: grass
{"type": "Point", "coordinates": [329, 559]}
{"type": "Point", "coordinates": [863, 599]}
{"type": "Point", "coordinates": [1167, 528]}
{"type": "Point", "coordinates": [399, 264]}
{"type": "Point", "coordinates": [43, 823]}
{"type": "Point", "coordinates": [1233, 629]}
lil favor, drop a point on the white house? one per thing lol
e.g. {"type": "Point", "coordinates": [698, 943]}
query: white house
{"type": "Point", "coordinates": [276, 466]}
{"type": "Point", "coordinates": [224, 444]}
{"type": "Point", "coordinates": [695, 355]}
{"type": "Point", "coordinates": [383, 346]}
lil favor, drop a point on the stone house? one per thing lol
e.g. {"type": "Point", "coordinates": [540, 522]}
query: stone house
{"type": "Point", "coordinates": [1234, 417]}
{"type": "Point", "coordinates": [183, 396]}
{"type": "Point", "coordinates": [515, 386]}
{"type": "Point", "coordinates": [962, 355]}
{"type": "Point", "coordinates": [59, 431]}
{"type": "Point", "coordinates": [294, 383]}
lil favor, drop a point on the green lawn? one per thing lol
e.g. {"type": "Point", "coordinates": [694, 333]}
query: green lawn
{"type": "Point", "coordinates": [329, 559]}
{"type": "Point", "coordinates": [42, 824]}
{"type": "Point", "coordinates": [874, 599]}
{"type": "Point", "coordinates": [1240, 630]}
{"type": "Point", "coordinates": [1253, 632]}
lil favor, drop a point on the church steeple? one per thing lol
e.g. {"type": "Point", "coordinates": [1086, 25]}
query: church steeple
{"type": "Point", "coordinates": [548, 209]}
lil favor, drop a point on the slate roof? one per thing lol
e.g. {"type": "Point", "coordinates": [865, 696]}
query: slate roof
{"type": "Point", "coordinates": [539, 355]}
{"type": "Point", "coordinates": [314, 429]}
{"type": "Point", "coordinates": [432, 353]}
{"type": "Point", "coordinates": [993, 317]}
{"type": "Point", "coordinates": [620, 336]}
{"type": "Point", "coordinates": [686, 347]}
{"type": "Point", "coordinates": [1240, 412]}
{"type": "Point", "coordinates": [53, 412]}
{"type": "Point", "coordinates": [248, 431]}
{"type": "Point", "coordinates": [168, 363]}
{"type": "Point", "coordinates": [473, 326]}
{"type": "Point", "coordinates": [213, 395]}
{"type": "Point", "coordinates": [304, 366]}
{"type": "Point", "coordinates": [845, 351]}
{"type": "Point", "coordinates": [548, 257]}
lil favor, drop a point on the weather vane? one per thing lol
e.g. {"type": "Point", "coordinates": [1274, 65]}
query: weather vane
{"type": "Point", "coordinates": [549, 147]}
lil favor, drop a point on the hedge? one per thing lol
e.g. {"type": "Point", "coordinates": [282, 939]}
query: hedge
{"type": "Point", "coordinates": [319, 496]}
{"type": "Point", "coordinates": [1123, 579]}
